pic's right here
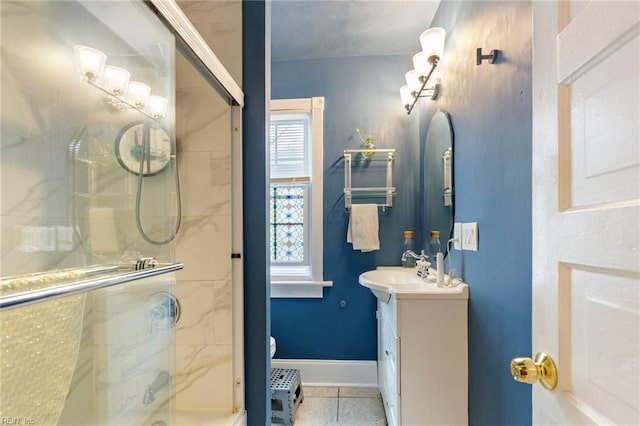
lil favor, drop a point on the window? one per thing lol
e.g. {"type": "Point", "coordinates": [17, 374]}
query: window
{"type": "Point", "coordinates": [295, 197]}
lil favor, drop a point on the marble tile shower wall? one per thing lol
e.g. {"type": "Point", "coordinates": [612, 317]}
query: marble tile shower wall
{"type": "Point", "coordinates": [204, 350]}
{"type": "Point", "coordinates": [220, 25]}
{"type": "Point", "coordinates": [204, 333]}
{"type": "Point", "coordinates": [118, 357]}
{"type": "Point", "coordinates": [128, 355]}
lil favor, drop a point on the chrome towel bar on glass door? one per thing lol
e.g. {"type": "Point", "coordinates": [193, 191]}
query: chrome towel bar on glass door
{"type": "Point", "coordinates": [83, 286]}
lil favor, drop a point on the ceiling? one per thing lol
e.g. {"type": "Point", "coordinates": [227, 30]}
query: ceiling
{"type": "Point", "coordinates": [311, 29]}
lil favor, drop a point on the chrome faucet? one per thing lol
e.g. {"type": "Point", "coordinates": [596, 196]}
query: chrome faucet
{"type": "Point", "coordinates": [160, 382]}
{"type": "Point", "coordinates": [422, 263]}
{"type": "Point", "coordinates": [410, 253]}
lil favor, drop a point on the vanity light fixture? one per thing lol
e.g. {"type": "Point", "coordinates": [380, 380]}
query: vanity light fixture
{"type": "Point", "coordinates": [139, 94]}
{"type": "Point", "coordinates": [114, 82]}
{"type": "Point", "coordinates": [90, 62]}
{"type": "Point", "coordinates": [424, 63]}
{"type": "Point", "coordinates": [491, 57]}
{"type": "Point", "coordinates": [117, 80]}
{"type": "Point", "coordinates": [158, 106]}
{"type": "Point", "coordinates": [413, 81]}
{"type": "Point", "coordinates": [408, 95]}
{"type": "Point", "coordinates": [432, 92]}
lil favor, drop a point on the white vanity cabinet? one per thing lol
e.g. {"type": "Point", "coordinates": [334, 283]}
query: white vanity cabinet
{"type": "Point", "coordinates": [422, 356]}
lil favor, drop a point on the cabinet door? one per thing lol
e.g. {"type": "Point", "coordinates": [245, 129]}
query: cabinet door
{"type": "Point", "coordinates": [388, 365]}
{"type": "Point", "coordinates": [381, 376]}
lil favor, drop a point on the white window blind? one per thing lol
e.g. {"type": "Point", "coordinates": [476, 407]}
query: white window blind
{"type": "Point", "coordinates": [289, 148]}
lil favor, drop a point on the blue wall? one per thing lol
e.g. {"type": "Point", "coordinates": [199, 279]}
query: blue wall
{"type": "Point", "coordinates": [490, 107]}
{"type": "Point", "coordinates": [359, 92]}
{"type": "Point", "coordinates": [257, 362]}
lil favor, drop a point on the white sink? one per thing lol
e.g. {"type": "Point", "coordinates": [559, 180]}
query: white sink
{"type": "Point", "coordinates": [390, 276]}
{"type": "Point", "coordinates": [404, 283]}
{"type": "Point", "coordinates": [381, 281]}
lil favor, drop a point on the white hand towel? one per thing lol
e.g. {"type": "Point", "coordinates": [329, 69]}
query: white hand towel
{"type": "Point", "coordinates": [362, 230]}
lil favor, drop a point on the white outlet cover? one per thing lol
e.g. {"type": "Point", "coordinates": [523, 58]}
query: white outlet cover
{"type": "Point", "coordinates": [470, 236]}
{"type": "Point", "coordinates": [457, 236]}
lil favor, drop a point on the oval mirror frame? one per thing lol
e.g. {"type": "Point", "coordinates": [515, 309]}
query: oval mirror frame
{"type": "Point", "coordinates": [130, 145]}
{"type": "Point", "coordinates": [438, 178]}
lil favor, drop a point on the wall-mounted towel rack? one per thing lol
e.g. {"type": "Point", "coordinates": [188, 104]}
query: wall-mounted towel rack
{"type": "Point", "coordinates": [387, 192]}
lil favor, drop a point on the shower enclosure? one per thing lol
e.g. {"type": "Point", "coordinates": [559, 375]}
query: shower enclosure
{"type": "Point", "coordinates": [119, 301]}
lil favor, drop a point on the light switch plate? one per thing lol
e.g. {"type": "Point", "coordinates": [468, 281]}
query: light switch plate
{"type": "Point", "coordinates": [457, 236]}
{"type": "Point", "coordinates": [470, 236]}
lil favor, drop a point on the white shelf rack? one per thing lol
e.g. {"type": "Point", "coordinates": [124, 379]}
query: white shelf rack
{"type": "Point", "coordinates": [387, 192]}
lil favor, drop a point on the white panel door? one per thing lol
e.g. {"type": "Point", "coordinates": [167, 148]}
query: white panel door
{"type": "Point", "coordinates": [586, 209]}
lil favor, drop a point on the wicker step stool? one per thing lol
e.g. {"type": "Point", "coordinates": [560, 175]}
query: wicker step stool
{"type": "Point", "coordinates": [286, 394]}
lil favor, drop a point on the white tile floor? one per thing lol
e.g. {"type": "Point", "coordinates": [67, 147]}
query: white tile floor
{"type": "Point", "coordinates": [353, 406]}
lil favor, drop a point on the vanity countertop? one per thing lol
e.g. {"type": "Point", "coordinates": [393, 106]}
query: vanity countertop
{"type": "Point", "coordinates": [407, 285]}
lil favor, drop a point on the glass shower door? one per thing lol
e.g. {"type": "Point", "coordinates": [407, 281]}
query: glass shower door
{"type": "Point", "coordinates": [88, 181]}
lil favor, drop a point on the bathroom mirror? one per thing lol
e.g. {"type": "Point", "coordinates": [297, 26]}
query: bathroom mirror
{"type": "Point", "coordinates": [438, 178]}
{"type": "Point", "coordinates": [131, 142]}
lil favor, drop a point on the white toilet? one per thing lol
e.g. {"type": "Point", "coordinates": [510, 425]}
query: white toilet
{"type": "Point", "coordinates": [273, 347]}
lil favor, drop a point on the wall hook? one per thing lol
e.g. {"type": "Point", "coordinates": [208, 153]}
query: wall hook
{"type": "Point", "coordinates": [492, 56]}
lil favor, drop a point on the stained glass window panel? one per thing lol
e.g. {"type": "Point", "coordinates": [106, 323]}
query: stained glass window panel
{"type": "Point", "coordinates": [287, 224]}
{"type": "Point", "coordinates": [290, 244]}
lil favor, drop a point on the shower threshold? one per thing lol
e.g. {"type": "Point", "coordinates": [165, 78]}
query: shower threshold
{"type": "Point", "coordinates": [197, 418]}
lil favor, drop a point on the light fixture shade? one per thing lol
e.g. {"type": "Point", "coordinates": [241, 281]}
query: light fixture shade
{"type": "Point", "coordinates": [432, 42]}
{"type": "Point", "coordinates": [406, 96]}
{"type": "Point", "coordinates": [421, 64]}
{"type": "Point", "coordinates": [157, 106]}
{"type": "Point", "coordinates": [413, 81]}
{"type": "Point", "coordinates": [139, 93]}
{"type": "Point", "coordinates": [89, 61]}
{"type": "Point", "coordinates": [117, 79]}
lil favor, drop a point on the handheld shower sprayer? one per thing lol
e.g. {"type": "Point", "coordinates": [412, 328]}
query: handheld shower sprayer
{"type": "Point", "coordinates": [145, 149]}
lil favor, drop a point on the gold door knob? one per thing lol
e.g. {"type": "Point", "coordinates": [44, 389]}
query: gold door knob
{"type": "Point", "coordinates": [541, 368]}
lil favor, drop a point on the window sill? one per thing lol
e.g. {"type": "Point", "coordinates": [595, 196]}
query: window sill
{"type": "Point", "coordinates": [299, 289]}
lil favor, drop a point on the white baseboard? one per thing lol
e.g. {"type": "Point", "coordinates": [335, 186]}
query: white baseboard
{"type": "Point", "coordinates": [327, 372]}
